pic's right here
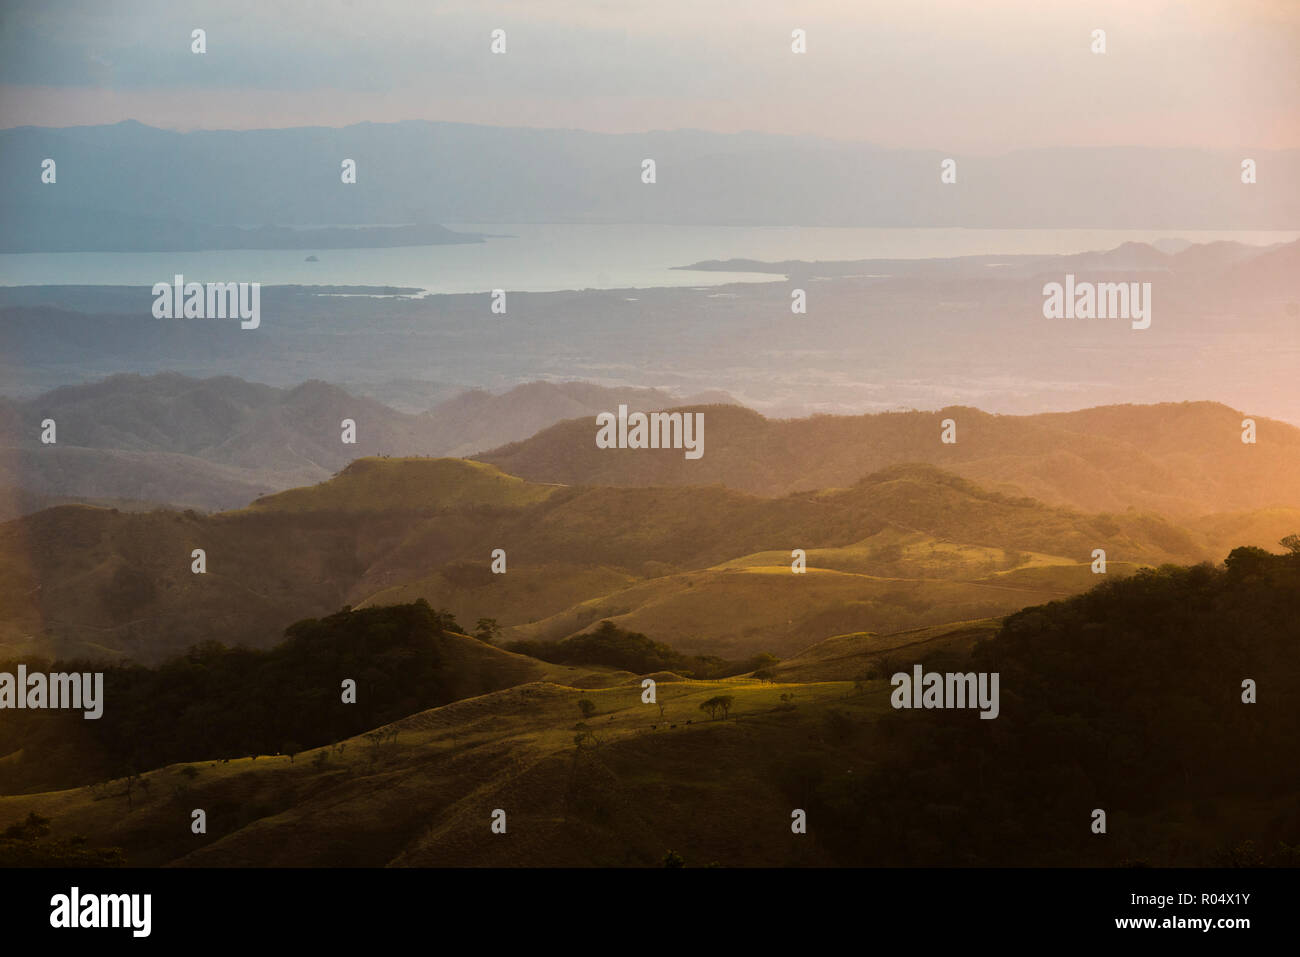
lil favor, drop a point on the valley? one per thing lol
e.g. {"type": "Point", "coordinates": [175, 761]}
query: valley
{"type": "Point", "coordinates": [705, 568]}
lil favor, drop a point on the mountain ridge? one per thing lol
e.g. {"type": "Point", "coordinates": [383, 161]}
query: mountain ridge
{"type": "Point", "coordinates": [486, 174]}
{"type": "Point", "coordinates": [220, 442]}
{"type": "Point", "coordinates": [1182, 459]}
{"type": "Point", "coordinates": [706, 568]}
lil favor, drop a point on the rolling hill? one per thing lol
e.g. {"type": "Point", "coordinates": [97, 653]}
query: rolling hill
{"type": "Point", "coordinates": [707, 568]}
{"type": "Point", "coordinates": [1179, 459]}
{"type": "Point", "coordinates": [1125, 698]}
{"type": "Point", "coordinates": [215, 702]}
{"type": "Point", "coordinates": [218, 443]}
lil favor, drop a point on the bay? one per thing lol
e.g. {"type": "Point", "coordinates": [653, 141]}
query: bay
{"type": "Point", "coordinates": [555, 257]}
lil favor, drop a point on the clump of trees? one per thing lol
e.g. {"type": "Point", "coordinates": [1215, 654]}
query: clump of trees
{"type": "Point", "coordinates": [718, 703]}
{"type": "Point", "coordinates": [215, 701]}
{"type": "Point", "coordinates": [379, 739]}
{"type": "Point", "coordinates": [30, 844]}
{"type": "Point", "coordinates": [616, 647]}
{"type": "Point", "coordinates": [1135, 697]}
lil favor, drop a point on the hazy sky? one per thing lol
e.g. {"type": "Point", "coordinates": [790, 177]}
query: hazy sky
{"type": "Point", "coordinates": [965, 75]}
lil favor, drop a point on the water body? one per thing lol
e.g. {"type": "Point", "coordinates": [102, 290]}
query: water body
{"type": "Point", "coordinates": [550, 258]}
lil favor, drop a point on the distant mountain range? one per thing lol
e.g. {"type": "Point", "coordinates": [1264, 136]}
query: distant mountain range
{"type": "Point", "coordinates": [174, 190]}
{"type": "Point", "coordinates": [218, 443]}
{"type": "Point", "coordinates": [134, 441]}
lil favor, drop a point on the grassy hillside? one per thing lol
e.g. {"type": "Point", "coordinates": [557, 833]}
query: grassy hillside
{"type": "Point", "coordinates": [216, 702]}
{"type": "Point", "coordinates": [477, 420]}
{"type": "Point", "coordinates": [218, 443]}
{"type": "Point", "coordinates": [737, 612]}
{"type": "Point", "coordinates": [643, 785]}
{"type": "Point", "coordinates": [1178, 459]}
{"type": "Point", "coordinates": [1126, 698]}
{"type": "Point", "coordinates": [405, 485]}
{"type": "Point", "coordinates": [869, 656]}
{"type": "Point", "coordinates": [703, 567]}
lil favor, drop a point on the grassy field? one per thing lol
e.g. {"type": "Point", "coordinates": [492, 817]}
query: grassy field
{"type": "Point", "coordinates": [757, 603]}
{"type": "Point", "coordinates": [647, 777]}
{"type": "Point", "coordinates": [648, 781]}
{"type": "Point", "coordinates": [705, 569]}
{"type": "Point", "coordinates": [378, 484]}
